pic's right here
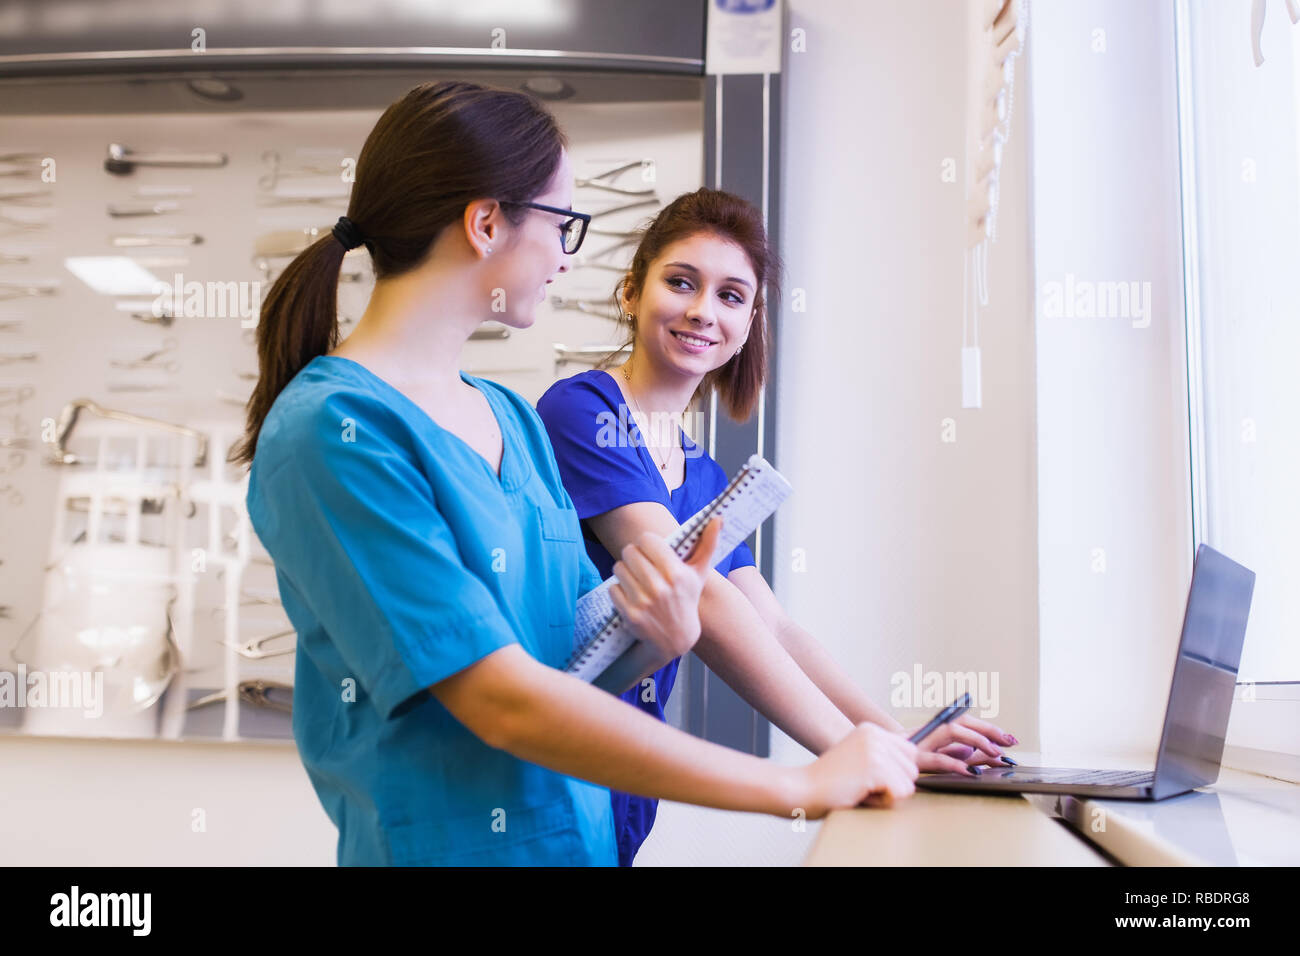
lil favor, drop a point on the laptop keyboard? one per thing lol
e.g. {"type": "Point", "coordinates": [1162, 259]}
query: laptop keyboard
{"type": "Point", "coordinates": [1092, 778]}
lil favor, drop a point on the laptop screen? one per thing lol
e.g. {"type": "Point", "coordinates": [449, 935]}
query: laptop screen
{"type": "Point", "coordinates": [1205, 674]}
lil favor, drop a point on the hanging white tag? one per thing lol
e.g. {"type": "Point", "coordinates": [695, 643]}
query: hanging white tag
{"type": "Point", "coordinates": [970, 376]}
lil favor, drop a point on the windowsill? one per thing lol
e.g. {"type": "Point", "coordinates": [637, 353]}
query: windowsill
{"type": "Point", "coordinates": [1243, 819]}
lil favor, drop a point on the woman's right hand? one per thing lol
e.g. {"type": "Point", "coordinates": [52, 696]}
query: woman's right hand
{"type": "Point", "coordinates": [870, 765]}
{"type": "Point", "coordinates": [658, 594]}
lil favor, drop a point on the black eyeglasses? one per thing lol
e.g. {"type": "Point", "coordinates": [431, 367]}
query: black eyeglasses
{"type": "Point", "coordinates": [572, 231]}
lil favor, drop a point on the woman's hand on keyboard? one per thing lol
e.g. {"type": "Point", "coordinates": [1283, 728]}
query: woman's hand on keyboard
{"type": "Point", "coordinates": [961, 743]}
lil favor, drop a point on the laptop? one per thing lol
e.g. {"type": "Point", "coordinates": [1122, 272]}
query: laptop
{"type": "Point", "coordinates": [1196, 720]}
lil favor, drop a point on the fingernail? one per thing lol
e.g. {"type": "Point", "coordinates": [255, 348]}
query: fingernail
{"type": "Point", "coordinates": [1005, 759]}
{"type": "Point", "coordinates": [975, 770]}
{"type": "Point", "coordinates": [1012, 739]}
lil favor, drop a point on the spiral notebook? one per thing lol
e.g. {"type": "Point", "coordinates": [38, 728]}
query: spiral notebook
{"type": "Point", "coordinates": [609, 656]}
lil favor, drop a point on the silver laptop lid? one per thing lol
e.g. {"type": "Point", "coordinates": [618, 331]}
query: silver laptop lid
{"type": "Point", "coordinates": [1205, 674]}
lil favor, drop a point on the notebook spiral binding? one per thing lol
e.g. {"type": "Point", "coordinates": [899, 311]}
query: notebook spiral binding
{"type": "Point", "coordinates": [687, 536]}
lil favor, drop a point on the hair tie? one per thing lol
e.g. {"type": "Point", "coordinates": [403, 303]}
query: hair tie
{"type": "Point", "coordinates": [348, 233]}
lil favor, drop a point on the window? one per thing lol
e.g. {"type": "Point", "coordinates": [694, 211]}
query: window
{"type": "Point", "coordinates": [1240, 153]}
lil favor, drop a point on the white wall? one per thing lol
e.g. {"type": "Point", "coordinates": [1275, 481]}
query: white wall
{"type": "Point", "coordinates": [1112, 401]}
{"type": "Point", "coordinates": [918, 552]}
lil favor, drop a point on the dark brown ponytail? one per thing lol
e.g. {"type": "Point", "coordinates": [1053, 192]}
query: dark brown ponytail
{"type": "Point", "coordinates": [433, 152]}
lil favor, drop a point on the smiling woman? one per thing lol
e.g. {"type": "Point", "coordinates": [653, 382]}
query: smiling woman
{"type": "Point", "coordinates": [697, 317]}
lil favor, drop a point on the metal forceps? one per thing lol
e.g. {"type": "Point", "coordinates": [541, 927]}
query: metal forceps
{"type": "Point", "coordinates": [253, 692]}
{"type": "Point", "coordinates": [597, 181]}
{"type": "Point", "coordinates": [253, 649]}
{"type": "Point", "coordinates": [269, 179]}
{"type": "Point", "coordinates": [150, 359]}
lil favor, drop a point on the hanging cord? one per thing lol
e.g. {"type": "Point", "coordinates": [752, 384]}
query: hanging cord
{"type": "Point", "coordinates": [1002, 132]}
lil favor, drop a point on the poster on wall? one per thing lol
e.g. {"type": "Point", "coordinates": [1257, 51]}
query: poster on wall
{"type": "Point", "coordinates": [743, 36]}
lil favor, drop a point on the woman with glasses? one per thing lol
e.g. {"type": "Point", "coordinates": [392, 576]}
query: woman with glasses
{"type": "Point", "coordinates": [694, 304]}
{"type": "Point", "coordinates": [425, 549]}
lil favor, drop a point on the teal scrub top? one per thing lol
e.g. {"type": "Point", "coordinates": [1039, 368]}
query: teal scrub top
{"type": "Point", "coordinates": [402, 558]}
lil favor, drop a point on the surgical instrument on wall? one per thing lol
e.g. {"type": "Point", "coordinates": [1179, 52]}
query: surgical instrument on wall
{"type": "Point", "coordinates": [22, 225]}
{"type": "Point", "coordinates": [137, 239]}
{"type": "Point", "coordinates": [625, 206]}
{"type": "Point", "coordinates": [591, 183]}
{"type": "Point", "coordinates": [16, 394]}
{"type": "Point", "coordinates": [586, 354]}
{"type": "Point", "coordinates": [27, 197]}
{"type": "Point", "coordinates": [268, 180]}
{"type": "Point", "coordinates": [17, 290]}
{"type": "Point", "coordinates": [15, 496]}
{"type": "Point", "coordinates": [253, 649]}
{"type": "Point", "coordinates": [152, 359]}
{"type": "Point", "coordinates": [71, 412]}
{"type": "Point", "coordinates": [490, 330]}
{"type": "Point", "coordinates": [24, 164]}
{"type": "Point", "coordinates": [122, 159]}
{"type": "Point", "coordinates": [121, 211]}
{"type": "Point", "coordinates": [255, 692]}
{"type": "Point", "coordinates": [11, 257]}
{"type": "Point", "coordinates": [288, 199]}
{"type": "Point", "coordinates": [8, 357]}
{"type": "Point", "coordinates": [620, 233]}
{"type": "Point", "coordinates": [604, 180]}
{"type": "Point", "coordinates": [601, 307]}
{"type": "Point", "coordinates": [165, 320]}
{"type": "Point", "coordinates": [155, 191]}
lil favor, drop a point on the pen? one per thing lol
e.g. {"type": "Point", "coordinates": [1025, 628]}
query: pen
{"type": "Point", "coordinates": [955, 709]}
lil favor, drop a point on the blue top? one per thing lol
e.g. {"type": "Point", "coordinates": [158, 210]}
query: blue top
{"type": "Point", "coordinates": [605, 464]}
{"type": "Point", "coordinates": [402, 558]}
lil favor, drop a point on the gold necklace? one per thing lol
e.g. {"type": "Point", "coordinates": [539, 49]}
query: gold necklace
{"type": "Point", "coordinates": [662, 467]}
